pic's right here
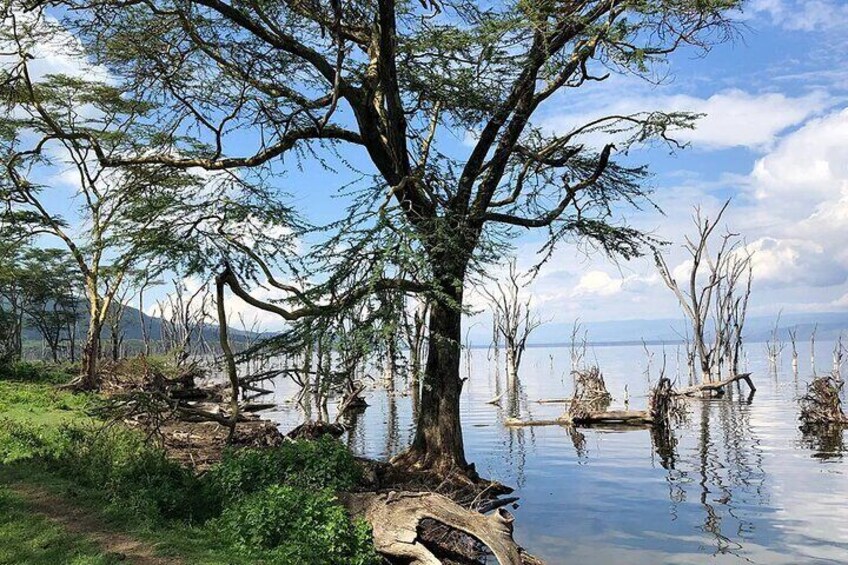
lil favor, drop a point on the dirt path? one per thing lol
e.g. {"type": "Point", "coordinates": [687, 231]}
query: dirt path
{"type": "Point", "coordinates": [77, 521]}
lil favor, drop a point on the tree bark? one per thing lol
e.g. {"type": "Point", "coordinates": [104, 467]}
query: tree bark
{"type": "Point", "coordinates": [438, 444]}
{"type": "Point", "coordinates": [90, 352]}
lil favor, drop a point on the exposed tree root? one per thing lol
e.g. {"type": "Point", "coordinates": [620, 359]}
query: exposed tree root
{"type": "Point", "coordinates": [396, 519]}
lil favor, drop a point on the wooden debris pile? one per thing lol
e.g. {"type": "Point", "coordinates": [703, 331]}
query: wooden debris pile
{"type": "Point", "coordinates": [590, 393]}
{"type": "Point", "coordinates": [821, 405]}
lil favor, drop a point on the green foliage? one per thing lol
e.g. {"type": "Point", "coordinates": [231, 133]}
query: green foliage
{"type": "Point", "coordinates": [298, 526]}
{"type": "Point", "coordinates": [29, 372]}
{"type": "Point", "coordinates": [275, 505]}
{"type": "Point", "coordinates": [311, 465]}
{"type": "Point", "coordinates": [132, 475]}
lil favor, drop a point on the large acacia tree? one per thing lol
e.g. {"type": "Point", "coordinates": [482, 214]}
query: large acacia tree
{"type": "Point", "coordinates": [251, 84]}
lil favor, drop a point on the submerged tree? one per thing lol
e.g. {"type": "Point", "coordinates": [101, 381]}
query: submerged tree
{"type": "Point", "coordinates": [391, 83]}
{"type": "Point", "coordinates": [513, 321]}
{"type": "Point", "coordinates": [714, 295]}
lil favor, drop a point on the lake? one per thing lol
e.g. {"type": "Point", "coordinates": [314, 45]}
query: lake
{"type": "Point", "coordinates": [740, 484]}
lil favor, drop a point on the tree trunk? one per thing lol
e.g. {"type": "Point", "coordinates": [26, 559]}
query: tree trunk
{"type": "Point", "coordinates": [512, 381]}
{"type": "Point", "coordinates": [438, 442]}
{"type": "Point", "coordinates": [90, 352]}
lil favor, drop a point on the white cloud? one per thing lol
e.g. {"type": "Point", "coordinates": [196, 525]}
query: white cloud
{"type": "Point", "coordinates": [598, 283]}
{"type": "Point", "coordinates": [733, 118]}
{"type": "Point", "coordinates": [55, 51]}
{"type": "Point", "coordinates": [779, 262]}
{"type": "Point", "coordinates": [809, 164]}
{"type": "Point", "coordinates": [802, 15]}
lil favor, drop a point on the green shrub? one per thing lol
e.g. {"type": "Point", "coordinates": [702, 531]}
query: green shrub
{"type": "Point", "coordinates": [35, 372]}
{"type": "Point", "coordinates": [297, 526]}
{"type": "Point", "coordinates": [134, 476]}
{"type": "Point", "coordinates": [130, 476]}
{"type": "Point", "coordinates": [324, 463]}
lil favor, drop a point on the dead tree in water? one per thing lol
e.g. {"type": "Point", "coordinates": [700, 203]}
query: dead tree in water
{"type": "Point", "coordinates": [590, 406]}
{"type": "Point", "coordinates": [793, 340]}
{"type": "Point", "coordinates": [715, 296]}
{"type": "Point", "coordinates": [513, 321]}
{"type": "Point", "coordinates": [813, 349]}
{"type": "Point", "coordinates": [775, 347]}
{"type": "Point", "coordinates": [579, 345]}
{"type": "Point", "coordinates": [839, 351]}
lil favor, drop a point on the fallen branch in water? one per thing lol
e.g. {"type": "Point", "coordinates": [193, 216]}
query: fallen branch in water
{"type": "Point", "coordinates": [661, 410]}
{"type": "Point", "coordinates": [717, 388]}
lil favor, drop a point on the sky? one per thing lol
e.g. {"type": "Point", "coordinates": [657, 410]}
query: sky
{"type": "Point", "coordinates": [774, 139]}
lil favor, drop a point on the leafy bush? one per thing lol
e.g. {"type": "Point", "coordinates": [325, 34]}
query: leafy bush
{"type": "Point", "coordinates": [28, 372]}
{"type": "Point", "coordinates": [324, 463]}
{"type": "Point", "coordinates": [130, 476]}
{"type": "Point", "coordinates": [298, 526]}
{"type": "Point", "coordinates": [276, 504]}
{"type": "Point", "coordinates": [134, 475]}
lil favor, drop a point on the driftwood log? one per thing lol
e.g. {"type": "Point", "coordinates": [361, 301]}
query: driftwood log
{"type": "Point", "coordinates": [621, 417]}
{"type": "Point", "coordinates": [661, 409]}
{"type": "Point", "coordinates": [396, 519]}
{"type": "Point", "coordinates": [717, 388]}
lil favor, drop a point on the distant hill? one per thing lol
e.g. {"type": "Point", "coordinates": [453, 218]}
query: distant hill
{"type": "Point", "coordinates": [131, 326]}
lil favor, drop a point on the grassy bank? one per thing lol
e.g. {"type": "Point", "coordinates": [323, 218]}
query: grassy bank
{"type": "Point", "coordinates": [273, 505]}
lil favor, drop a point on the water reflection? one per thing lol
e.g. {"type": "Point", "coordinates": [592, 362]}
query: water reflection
{"type": "Point", "coordinates": [735, 482]}
{"type": "Point", "coordinates": [826, 442]}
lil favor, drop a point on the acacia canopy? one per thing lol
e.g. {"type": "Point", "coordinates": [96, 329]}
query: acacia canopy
{"type": "Point", "coordinates": [436, 98]}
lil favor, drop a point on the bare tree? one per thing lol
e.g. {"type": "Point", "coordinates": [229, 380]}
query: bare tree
{"type": "Point", "coordinates": [775, 346]}
{"type": "Point", "coordinates": [513, 319]}
{"type": "Point", "coordinates": [183, 318]}
{"type": "Point", "coordinates": [839, 351]}
{"type": "Point", "coordinates": [715, 296]}
{"type": "Point", "coordinates": [579, 345]}
{"type": "Point", "coordinates": [793, 340]}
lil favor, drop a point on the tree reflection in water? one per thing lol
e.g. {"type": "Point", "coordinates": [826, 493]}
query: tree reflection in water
{"type": "Point", "coordinates": [826, 441]}
{"type": "Point", "coordinates": [724, 472]}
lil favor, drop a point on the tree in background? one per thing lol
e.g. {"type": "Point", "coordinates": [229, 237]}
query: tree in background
{"type": "Point", "coordinates": [52, 296]}
{"type": "Point", "coordinates": [392, 84]}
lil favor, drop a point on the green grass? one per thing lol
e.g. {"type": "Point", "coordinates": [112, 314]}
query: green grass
{"type": "Point", "coordinates": [26, 537]}
{"type": "Point", "coordinates": [272, 506]}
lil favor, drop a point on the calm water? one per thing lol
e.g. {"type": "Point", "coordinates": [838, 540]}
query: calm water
{"type": "Point", "coordinates": [740, 485]}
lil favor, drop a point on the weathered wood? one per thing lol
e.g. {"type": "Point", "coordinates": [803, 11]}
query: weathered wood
{"type": "Point", "coordinates": [519, 423]}
{"type": "Point", "coordinates": [717, 387]}
{"type": "Point", "coordinates": [625, 417]}
{"type": "Point", "coordinates": [555, 400]}
{"type": "Point", "coordinates": [635, 417]}
{"type": "Point", "coordinates": [395, 519]}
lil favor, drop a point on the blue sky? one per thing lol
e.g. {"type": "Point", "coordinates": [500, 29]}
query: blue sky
{"type": "Point", "coordinates": [775, 138]}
